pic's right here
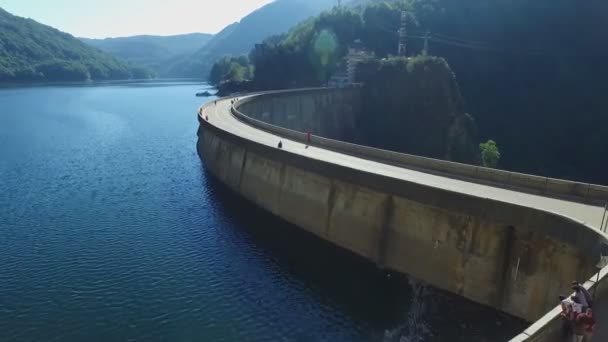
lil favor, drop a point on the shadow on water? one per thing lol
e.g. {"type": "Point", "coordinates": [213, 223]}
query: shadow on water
{"type": "Point", "coordinates": [333, 271]}
{"type": "Point", "coordinates": [393, 307]}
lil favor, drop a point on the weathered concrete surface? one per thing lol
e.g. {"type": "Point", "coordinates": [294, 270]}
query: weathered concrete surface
{"type": "Point", "coordinates": [330, 113]}
{"type": "Point", "coordinates": [512, 256]}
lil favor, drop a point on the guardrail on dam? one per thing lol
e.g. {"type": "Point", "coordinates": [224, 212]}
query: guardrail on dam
{"type": "Point", "coordinates": [506, 254]}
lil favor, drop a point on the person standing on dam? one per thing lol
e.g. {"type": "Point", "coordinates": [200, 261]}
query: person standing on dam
{"type": "Point", "coordinates": [577, 306]}
{"type": "Point", "coordinates": [581, 297]}
{"type": "Point", "coordinates": [580, 289]}
{"type": "Point", "coordinates": [584, 325]}
{"type": "Point", "coordinates": [567, 315]}
{"type": "Point", "coordinates": [578, 323]}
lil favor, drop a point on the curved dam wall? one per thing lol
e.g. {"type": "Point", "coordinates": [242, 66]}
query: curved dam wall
{"type": "Point", "coordinates": [329, 113]}
{"type": "Point", "coordinates": [516, 259]}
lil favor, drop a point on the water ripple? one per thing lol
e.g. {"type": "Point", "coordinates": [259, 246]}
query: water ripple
{"type": "Point", "coordinates": [111, 230]}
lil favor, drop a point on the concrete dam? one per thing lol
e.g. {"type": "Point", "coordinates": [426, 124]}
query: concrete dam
{"type": "Point", "coordinates": [511, 241]}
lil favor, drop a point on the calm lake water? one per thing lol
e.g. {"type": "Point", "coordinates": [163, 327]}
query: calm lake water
{"type": "Point", "coordinates": [111, 230]}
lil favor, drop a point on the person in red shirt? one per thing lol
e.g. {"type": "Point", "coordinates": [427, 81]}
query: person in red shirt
{"type": "Point", "coordinates": [567, 315]}
{"type": "Point", "coordinates": [588, 321]}
{"type": "Point", "coordinates": [584, 324]}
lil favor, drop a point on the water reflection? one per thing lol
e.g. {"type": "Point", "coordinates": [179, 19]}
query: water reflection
{"type": "Point", "coordinates": [388, 306]}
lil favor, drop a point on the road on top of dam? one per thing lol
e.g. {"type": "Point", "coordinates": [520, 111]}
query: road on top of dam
{"type": "Point", "coordinates": [220, 115]}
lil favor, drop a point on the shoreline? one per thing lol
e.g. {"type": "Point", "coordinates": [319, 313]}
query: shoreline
{"type": "Point", "coordinates": [101, 83]}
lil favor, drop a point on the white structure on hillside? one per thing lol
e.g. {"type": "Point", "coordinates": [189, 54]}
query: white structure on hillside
{"type": "Point", "coordinates": [356, 54]}
{"type": "Point", "coordinates": [339, 80]}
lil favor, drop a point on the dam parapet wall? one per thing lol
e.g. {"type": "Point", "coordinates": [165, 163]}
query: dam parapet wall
{"type": "Point", "coordinates": [330, 115]}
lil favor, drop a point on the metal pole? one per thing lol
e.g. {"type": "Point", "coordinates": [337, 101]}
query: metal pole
{"type": "Point", "coordinates": [403, 35]}
{"type": "Point", "coordinates": [606, 223]}
{"type": "Point", "coordinates": [600, 266]}
{"type": "Point", "coordinates": [603, 217]}
{"type": "Point", "coordinates": [597, 283]}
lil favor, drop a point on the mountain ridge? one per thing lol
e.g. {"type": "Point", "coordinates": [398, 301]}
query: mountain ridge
{"type": "Point", "coordinates": [32, 51]}
{"type": "Point", "coordinates": [152, 51]}
{"type": "Point", "coordinates": [240, 37]}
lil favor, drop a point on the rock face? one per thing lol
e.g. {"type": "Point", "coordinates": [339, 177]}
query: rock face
{"type": "Point", "coordinates": [414, 105]}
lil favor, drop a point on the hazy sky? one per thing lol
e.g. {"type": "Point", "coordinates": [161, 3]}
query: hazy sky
{"type": "Point", "coordinates": [117, 18]}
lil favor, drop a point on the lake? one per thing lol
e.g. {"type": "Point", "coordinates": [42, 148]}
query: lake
{"type": "Point", "coordinates": [112, 230]}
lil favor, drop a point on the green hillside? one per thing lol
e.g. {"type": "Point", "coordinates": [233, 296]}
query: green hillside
{"type": "Point", "coordinates": [239, 38]}
{"type": "Point", "coordinates": [154, 52]}
{"type": "Point", "coordinates": [30, 51]}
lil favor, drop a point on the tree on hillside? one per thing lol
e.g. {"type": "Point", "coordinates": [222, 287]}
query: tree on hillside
{"type": "Point", "coordinates": [230, 68]}
{"type": "Point", "coordinates": [380, 24]}
{"type": "Point", "coordinates": [490, 155]}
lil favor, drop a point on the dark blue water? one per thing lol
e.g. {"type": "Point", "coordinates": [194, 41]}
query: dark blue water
{"type": "Point", "coordinates": [111, 230]}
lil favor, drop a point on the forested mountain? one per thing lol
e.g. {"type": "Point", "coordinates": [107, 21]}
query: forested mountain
{"type": "Point", "coordinates": [531, 73]}
{"type": "Point", "coordinates": [30, 51]}
{"type": "Point", "coordinates": [238, 38]}
{"type": "Point", "coordinates": [155, 52]}
{"type": "Point", "coordinates": [192, 64]}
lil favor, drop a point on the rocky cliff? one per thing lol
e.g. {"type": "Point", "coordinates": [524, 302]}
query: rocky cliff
{"type": "Point", "coordinates": [414, 105]}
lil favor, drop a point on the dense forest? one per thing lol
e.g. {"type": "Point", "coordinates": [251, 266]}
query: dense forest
{"type": "Point", "coordinates": [155, 52]}
{"type": "Point", "coordinates": [30, 51]}
{"type": "Point", "coordinates": [421, 107]}
{"type": "Point", "coordinates": [530, 72]}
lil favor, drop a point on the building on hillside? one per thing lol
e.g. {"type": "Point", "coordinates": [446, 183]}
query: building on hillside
{"type": "Point", "coordinates": [357, 53]}
{"type": "Point", "coordinates": [339, 80]}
